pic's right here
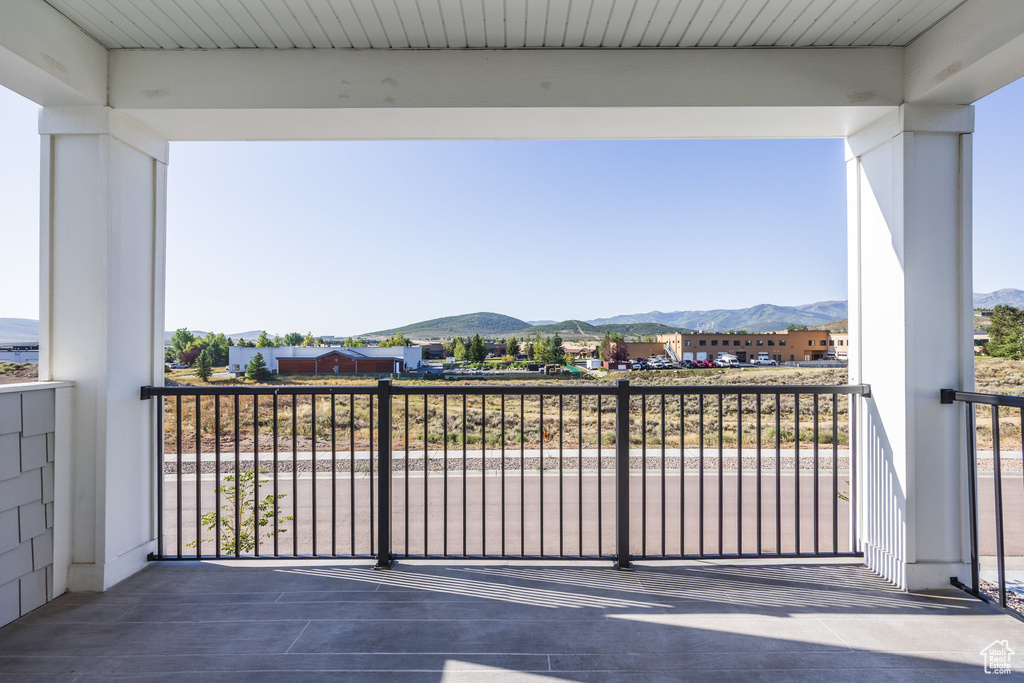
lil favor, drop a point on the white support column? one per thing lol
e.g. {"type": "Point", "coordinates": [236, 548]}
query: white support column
{"type": "Point", "coordinates": [101, 325]}
{"type": "Point", "coordinates": [910, 282]}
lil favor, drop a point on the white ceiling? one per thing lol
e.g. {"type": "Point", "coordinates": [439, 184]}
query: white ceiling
{"type": "Point", "coordinates": [233, 24]}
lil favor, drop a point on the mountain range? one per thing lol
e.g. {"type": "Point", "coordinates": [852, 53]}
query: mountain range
{"type": "Point", "coordinates": [760, 318]}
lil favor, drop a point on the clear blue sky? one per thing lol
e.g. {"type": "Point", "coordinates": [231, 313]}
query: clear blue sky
{"type": "Point", "coordinates": [348, 237]}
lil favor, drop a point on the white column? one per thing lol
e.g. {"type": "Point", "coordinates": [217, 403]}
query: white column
{"type": "Point", "coordinates": [102, 246]}
{"type": "Point", "coordinates": [910, 285]}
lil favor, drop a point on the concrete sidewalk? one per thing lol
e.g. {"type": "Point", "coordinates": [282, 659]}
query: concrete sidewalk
{"type": "Point", "coordinates": [471, 621]}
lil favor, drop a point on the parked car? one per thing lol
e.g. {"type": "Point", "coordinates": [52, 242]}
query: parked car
{"type": "Point", "coordinates": [689, 364]}
{"type": "Point", "coordinates": [763, 361]}
{"type": "Point", "coordinates": [703, 364]}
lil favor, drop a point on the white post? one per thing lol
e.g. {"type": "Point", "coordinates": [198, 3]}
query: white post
{"type": "Point", "coordinates": [910, 283]}
{"type": "Point", "coordinates": [101, 326]}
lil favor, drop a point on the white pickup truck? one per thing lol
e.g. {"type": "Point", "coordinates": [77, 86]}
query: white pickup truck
{"type": "Point", "coordinates": [763, 359]}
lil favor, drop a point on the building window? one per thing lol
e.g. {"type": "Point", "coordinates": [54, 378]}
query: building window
{"type": "Point", "coordinates": [791, 357]}
{"type": "Point", "coordinates": [840, 342]}
{"type": "Point", "coordinates": [782, 342]}
{"type": "Point", "coordinates": [810, 342]}
{"type": "Point", "coordinates": [823, 343]}
{"type": "Point", "coordinates": [746, 342]}
{"type": "Point", "coordinates": [736, 342]}
{"type": "Point", "coordinates": [714, 342]}
{"type": "Point", "coordinates": [703, 342]}
{"type": "Point", "coordinates": [686, 343]}
{"type": "Point", "coordinates": [760, 342]}
{"type": "Point", "coordinates": [771, 343]}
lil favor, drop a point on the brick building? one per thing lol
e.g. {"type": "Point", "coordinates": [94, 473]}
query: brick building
{"type": "Point", "coordinates": [787, 345]}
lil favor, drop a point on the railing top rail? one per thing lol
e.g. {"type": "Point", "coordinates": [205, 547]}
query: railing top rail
{"type": "Point", "coordinates": [516, 390]}
{"type": "Point", "coordinates": [952, 395]}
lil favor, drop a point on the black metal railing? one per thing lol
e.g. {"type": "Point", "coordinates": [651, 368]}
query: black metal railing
{"type": "Point", "coordinates": [571, 471]}
{"type": "Point", "coordinates": [988, 498]}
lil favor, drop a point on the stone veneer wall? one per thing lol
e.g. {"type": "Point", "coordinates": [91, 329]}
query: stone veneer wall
{"type": "Point", "coordinates": [26, 501]}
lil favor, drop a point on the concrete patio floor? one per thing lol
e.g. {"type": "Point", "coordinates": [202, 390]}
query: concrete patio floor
{"type": "Point", "coordinates": [468, 621]}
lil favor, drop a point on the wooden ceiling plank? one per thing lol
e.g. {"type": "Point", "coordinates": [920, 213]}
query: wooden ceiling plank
{"type": "Point", "coordinates": [557, 23]}
{"type": "Point", "coordinates": [329, 23]}
{"type": "Point", "coordinates": [371, 25]}
{"type": "Point", "coordinates": [412, 22]}
{"type": "Point", "coordinates": [536, 22]}
{"type": "Point", "coordinates": [495, 25]}
{"type": "Point", "coordinates": [766, 16]}
{"type": "Point", "coordinates": [679, 22]}
{"type": "Point", "coordinates": [473, 17]}
{"type": "Point", "coordinates": [782, 23]}
{"type": "Point", "coordinates": [153, 32]}
{"type": "Point", "coordinates": [433, 25]}
{"type": "Point", "coordinates": [310, 23]}
{"type": "Point", "coordinates": [265, 20]}
{"type": "Point", "coordinates": [741, 24]}
{"type": "Point", "coordinates": [699, 23]}
{"type": "Point", "coordinates": [576, 22]}
{"type": "Point", "coordinates": [597, 23]}
{"type": "Point", "coordinates": [284, 17]}
{"type": "Point", "coordinates": [726, 14]}
{"type": "Point", "coordinates": [237, 24]}
{"type": "Point", "coordinates": [886, 21]}
{"type": "Point", "coordinates": [97, 20]}
{"type": "Point", "coordinates": [916, 22]}
{"type": "Point", "coordinates": [349, 22]}
{"type": "Point", "coordinates": [389, 18]}
{"type": "Point", "coordinates": [639, 22]}
{"type": "Point", "coordinates": [864, 21]}
{"type": "Point", "coordinates": [454, 23]}
{"type": "Point", "coordinates": [617, 23]}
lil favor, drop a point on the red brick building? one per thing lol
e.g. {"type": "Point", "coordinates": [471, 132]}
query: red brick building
{"type": "Point", "coordinates": [338, 361]}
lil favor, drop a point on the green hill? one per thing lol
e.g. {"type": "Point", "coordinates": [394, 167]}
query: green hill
{"type": "Point", "coordinates": [580, 329]}
{"type": "Point", "coordinates": [483, 323]}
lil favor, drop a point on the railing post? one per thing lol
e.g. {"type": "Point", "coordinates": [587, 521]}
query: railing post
{"type": "Point", "coordinates": [384, 473]}
{"type": "Point", "coordinates": [622, 473]}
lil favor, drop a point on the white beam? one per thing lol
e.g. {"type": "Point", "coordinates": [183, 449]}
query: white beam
{"type": "Point", "coordinates": [562, 123]}
{"type": "Point", "coordinates": [336, 82]}
{"type": "Point", "coordinates": [47, 58]}
{"type": "Point", "coordinates": [974, 51]}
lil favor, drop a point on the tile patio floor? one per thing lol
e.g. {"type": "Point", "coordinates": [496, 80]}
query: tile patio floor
{"type": "Point", "coordinates": [482, 621]}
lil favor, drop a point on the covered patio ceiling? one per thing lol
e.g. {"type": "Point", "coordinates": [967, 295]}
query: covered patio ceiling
{"type": "Point", "coordinates": [572, 69]}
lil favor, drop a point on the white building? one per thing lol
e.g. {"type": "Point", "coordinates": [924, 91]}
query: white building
{"type": "Point", "coordinates": [895, 79]}
{"type": "Point", "coordinates": [408, 357]}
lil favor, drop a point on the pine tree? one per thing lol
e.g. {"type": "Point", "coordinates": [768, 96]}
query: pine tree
{"type": "Point", "coordinates": [263, 340]}
{"type": "Point", "coordinates": [512, 347]}
{"type": "Point", "coordinates": [556, 354]}
{"type": "Point", "coordinates": [477, 349]}
{"type": "Point", "coordinates": [204, 365]}
{"type": "Point", "coordinates": [308, 340]}
{"type": "Point", "coordinates": [256, 370]}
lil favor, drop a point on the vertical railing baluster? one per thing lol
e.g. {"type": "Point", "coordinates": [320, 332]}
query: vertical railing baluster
{"type": "Point", "coordinates": [178, 438]}
{"type": "Point", "coordinates": [295, 476]}
{"type": "Point", "coordinates": [757, 436]}
{"type": "Point", "coordinates": [444, 430]}
{"type": "Point", "coordinates": [816, 497]}
{"type": "Point", "coordinates": [622, 473]}
{"type": "Point", "coordinates": [540, 398]}
{"type": "Point", "coordinates": [161, 436]}
{"type": "Point", "coordinates": [700, 480]}
{"type": "Point", "coordinates": [796, 469]}
{"type": "Point", "coordinates": [256, 474]}
{"type": "Point", "coordinates": [778, 474]}
{"type": "Point", "coordinates": [237, 484]}
{"type": "Point", "coordinates": [483, 475]}
{"type": "Point", "coordinates": [579, 471]}
{"type": "Point", "coordinates": [854, 457]}
{"type": "Point", "coordinates": [721, 477]}
{"type": "Point", "coordinates": [426, 475]}
{"type": "Point", "coordinates": [682, 475]}
{"type": "Point", "coordinates": [370, 399]}
{"type": "Point", "coordinates": [664, 512]}
{"type": "Point", "coordinates": [384, 480]}
{"type": "Point", "coordinates": [503, 475]}
{"type": "Point", "coordinates": [275, 430]}
{"type": "Point", "coordinates": [522, 475]}
{"type": "Point", "coordinates": [405, 439]}
{"type": "Point", "coordinates": [998, 484]}
{"type": "Point", "coordinates": [334, 475]}
{"type": "Point", "coordinates": [216, 471]}
{"type": "Point", "coordinates": [835, 473]}
{"type": "Point", "coordinates": [739, 474]}
{"type": "Point", "coordinates": [561, 488]}
{"type": "Point", "coordinates": [972, 491]}
{"type": "Point", "coordinates": [312, 463]}
{"type": "Point", "coordinates": [352, 472]}
{"type": "Point", "coordinates": [643, 476]}
{"type": "Point", "coordinates": [464, 501]}
{"type": "Point", "coordinates": [600, 474]}
{"type": "Point", "coordinates": [199, 477]}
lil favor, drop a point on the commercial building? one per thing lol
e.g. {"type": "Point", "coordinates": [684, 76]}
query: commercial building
{"type": "Point", "coordinates": [328, 360]}
{"type": "Point", "coordinates": [787, 345]}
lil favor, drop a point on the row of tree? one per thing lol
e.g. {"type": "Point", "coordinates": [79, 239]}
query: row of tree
{"type": "Point", "coordinates": [1006, 333]}
{"type": "Point", "coordinates": [536, 348]}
